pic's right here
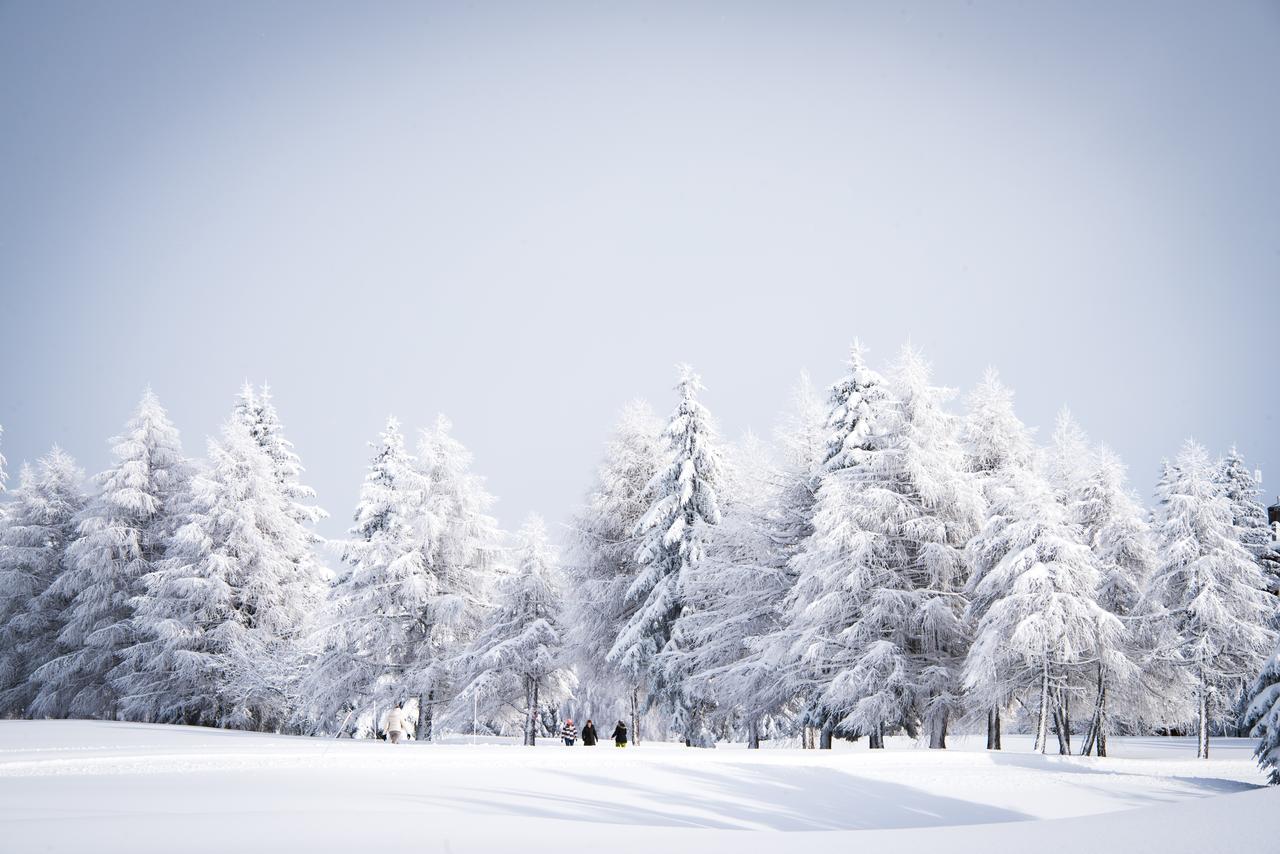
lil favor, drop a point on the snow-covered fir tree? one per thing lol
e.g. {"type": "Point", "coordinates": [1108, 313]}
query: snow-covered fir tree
{"type": "Point", "coordinates": [378, 612]}
{"type": "Point", "coordinates": [734, 595]}
{"type": "Point", "coordinates": [880, 594]}
{"type": "Point", "coordinates": [601, 558]}
{"type": "Point", "coordinates": [671, 536]}
{"type": "Point", "coordinates": [254, 409]}
{"type": "Point", "coordinates": [1001, 455]}
{"type": "Point", "coordinates": [121, 537]}
{"type": "Point", "coordinates": [257, 413]}
{"type": "Point", "coordinates": [1262, 717]}
{"type": "Point", "coordinates": [1249, 515]}
{"type": "Point", "coordinates": [461, 545]}
{"type": "Point", "coordinates": [740, 588]}
{"type": "Point", "coordinates": [1040, 623]}
{"type": "Point", "coordinates": [518, 660]}
{"type": "Point", "coordinates": [34, 533]}
{"type": "Point", "coordinates": [221, 619]}
{"type": "Point", "coordinates": [1209, 587]}
{"type": "Point", "coordinates": [821, 607]}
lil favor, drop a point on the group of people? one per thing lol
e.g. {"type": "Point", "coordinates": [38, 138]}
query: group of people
{"type": "Point", "coordinates": [570, 734]}
{"type": "Point", "coordinates": [396, 725]}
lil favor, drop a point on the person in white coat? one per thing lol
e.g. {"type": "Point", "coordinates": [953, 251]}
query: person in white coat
{"type": "Point", "coordinates": [395, 724]}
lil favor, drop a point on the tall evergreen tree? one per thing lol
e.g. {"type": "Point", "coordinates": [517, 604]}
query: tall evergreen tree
{"type": "Point", "coordinates": [517, 662]}
{"type": "Point", "coordinates": [220, 621]}
{"type": "Point", "coordinates": [1001, 455]}
{"type": "Point", "coordinates": [825, 602]}
{"type": "Point", "coordinates": [461, 545]}
{"type": "Point", "coordinates": [34, 534]}
{"type": "Point", "coordinates": [1249, 515]}
{"type": "Point", "coordinates": [1262, 717]}
{"type": "Point", "coordinates": [602, 556]}
{"type": "Point", "coordinates": [120, 538]}
{"type": "Point", "coordinates": [1210, 588]}
{"type": "Point", "coordinates": [672, 532]}
{"type": "Point", "coordinates": [377, 612]}
{"type": "Point", "coordinates": [1114, 527]}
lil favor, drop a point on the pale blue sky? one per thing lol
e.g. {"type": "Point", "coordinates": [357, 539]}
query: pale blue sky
{"type": "Point", "coordinates": [524, 214]}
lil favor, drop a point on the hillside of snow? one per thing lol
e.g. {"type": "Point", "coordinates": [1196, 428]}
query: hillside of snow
{"type": "Point", "coordinates": [81, 785]}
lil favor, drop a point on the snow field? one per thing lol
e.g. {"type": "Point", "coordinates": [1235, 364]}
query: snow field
{"type": "Point", "coordinates": [69, 785]}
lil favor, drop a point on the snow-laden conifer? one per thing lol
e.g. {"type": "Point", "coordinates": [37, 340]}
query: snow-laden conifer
{"type": "Point", "coordinates": [1001, 455]}
{"type": "Point", "coordinates": [375, 622]}
{"type": "Point", "coordinates": [878, 608]}
{"type": "Point", "coordinates": [671, 536]}
{"type": "Point", "coordinates": [518, 661]}
{"type": "Point", "coordinates": [120, 537]}
{"type": "Point", "coordinates": [1040, 623]}
{"type": "Point", "coordinates": [1262, 717]}
{"type": "Point", "coordinates": [461, 545]}
{"type": "Point", "coordinates": [1249, 515]}
{"type": "Point", "coordinates": [601, 558]}
{"type": "Point", "coordinates": [824, 603]}
{"type": "Point", "coordinates": [1209, 587]}
{"type": "Point", "coordinates": [222, 620]}
{"type": "Point", "coordinates": [34, 533]}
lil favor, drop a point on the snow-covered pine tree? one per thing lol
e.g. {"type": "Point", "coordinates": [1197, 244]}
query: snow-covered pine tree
{"type": "Point", "coordinates": [1041, 622]}
{"type": "Point", "coordinates": [672, 532]}
{"type": "Point", "coordinates": [1000, 453]}
{"type": "Point", "coordinates": [255, 410]}
{"type": "Point", "coordinates": [376, 614]}
{"type": "Point", "coordinates": [602, 556]}
{"type": "Point", "coordinates": [1262, 717]}
{"type": "Point", "coordinates": [1250, 515]}
{"type": "Point", "coordinates": [1114, 527]}
{"type": "Point", "coordinates": [888, 553]}
{"type": "Point", "coordinates": [257, 413]}
{"type": "Point", "coordinates": [1209, 587]}
{"type": "Point", "coordinates": [827, 598]}
{"type": "Point", "coordinates": [518, 660]}
{"type": "Point", "coordinates": [736, 592]}
{"type": "Point", "coordinates": [34, 533]}
{"type": "Point", "coordinates": [461, 545]}
{"type": "Point", "coordinates": [120, 537]}
{"type": "Point", "coordinates": [221, 619]}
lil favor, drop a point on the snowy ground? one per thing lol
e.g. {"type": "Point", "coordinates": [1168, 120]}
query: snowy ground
{"type": "Point", "coordinates": [78, 785]}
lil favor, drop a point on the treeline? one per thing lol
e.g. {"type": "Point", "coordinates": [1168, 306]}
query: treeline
{"type": "Point", "coordinates": [885, 566]}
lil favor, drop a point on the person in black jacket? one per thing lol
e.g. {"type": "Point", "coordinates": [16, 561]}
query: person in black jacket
{"type": "Point", "coordinates": [620, 735]}
{"type": "Point", "coordinates": [589, 734]}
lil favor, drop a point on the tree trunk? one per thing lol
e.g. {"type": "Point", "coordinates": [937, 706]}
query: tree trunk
{"type": "Point", "coordinates": [1202, 751]}
{"type": "Point", "coordinates": [635, 716]}
{"type": "Point", "coordinates": [995, 728]}
{"type": "Point", "coordinates": [425, 717]}
{"type": "Point", "coordinates": [1101, 730]}
{"type": "Point", "coordinates": [531, 717]}
{"type": "Point", "coordinates": [753, 734]}
{"type": "Point", "coordinates": [1061, 725]}
{"type": "Point", "coordinates": [938, 732]}
{"type": "Point", "coordinates": [875, 739]}
{"type": "Point", "coordinates": [420, 725]}
{"type": "Point", "coordinates": [828, 728]}
{"type": "Point", "coordinates": [1042, 725]}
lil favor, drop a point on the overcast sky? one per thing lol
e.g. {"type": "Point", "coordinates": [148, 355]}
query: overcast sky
{"type": "Point", "coordinates": [523, 215]}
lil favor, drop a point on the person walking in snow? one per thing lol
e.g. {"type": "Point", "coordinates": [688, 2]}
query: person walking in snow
{"type": "Point", "coordinates": [395, 723]}
{"type": "Point", "coordinates": [589, 734]}
{"type": "Point", "coordinates": [620, 735]}
{"type": "Point", "coordinates": [569, 733]}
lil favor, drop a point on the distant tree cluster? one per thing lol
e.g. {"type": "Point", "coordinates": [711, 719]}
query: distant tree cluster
{"type": "Point", "coordinates": [885, 566]}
